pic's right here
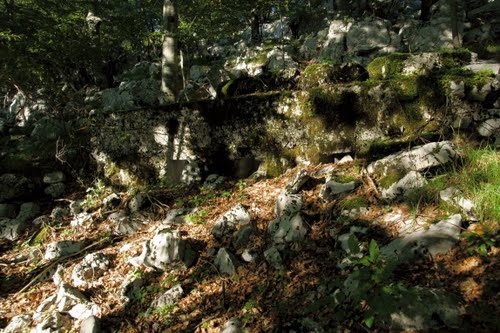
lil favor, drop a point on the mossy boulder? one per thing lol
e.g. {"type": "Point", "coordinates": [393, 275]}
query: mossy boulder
{"type": "Point", "coordinates": [316, 75]}
{"type": "Point", "coordinates": [396, 64]}
{"type": "Point", "coordinates": [387, 66]}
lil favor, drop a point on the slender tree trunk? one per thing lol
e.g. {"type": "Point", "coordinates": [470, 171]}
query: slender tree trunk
{"type": "Point", "coordinates": [170, 63]}
{"type": "Point", "coordinates": [454, 24]}
{"type": "Point", "coordinates": [425, 10]}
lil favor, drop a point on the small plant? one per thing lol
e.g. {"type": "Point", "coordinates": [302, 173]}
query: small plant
{"type": "Point", "coordinates": [370, 287]}
{"type": "Point", "coordinates": [164, 311]}
{"type": "Point", "coordinates": [68, 232]}
{"type": "Point", "coordinates": [94, 195]}
{"type": "Point", "coordinates": [479, 243]}
{"type": "Point", "coordinates": [241, 184]}
{"type": "Point", "coordinates": [250, 310]}
{"type": "Point", "coordinates": [198, 217]}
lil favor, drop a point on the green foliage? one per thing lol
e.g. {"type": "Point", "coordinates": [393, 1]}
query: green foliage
{"type": "Point", "coordinates": [198, 217]}
{"type": "Point", "coordinates": [387, 67]}
{"type": "Point", "coordinates": [94, 195]}
{"type": "Point", "coordinates": [453, 58]}
{"type": "Point", "coordinates": [480, 244]}
{"type": "Point", "coordinates": [370, 287]}
{"type": "Point", "coordinates": [479, 179]}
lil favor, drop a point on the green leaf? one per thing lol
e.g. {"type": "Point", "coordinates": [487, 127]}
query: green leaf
{"type": "Point", "coordinates": [374, 249]}
{"type": "Point", "coordinates": [365, 261]}
{"type": "Point", "coordinates": [353, 244]}
{"type": "Point", "coordinates": [369, 320]}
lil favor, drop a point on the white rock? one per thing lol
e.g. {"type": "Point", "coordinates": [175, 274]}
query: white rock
{"type": "Point", "coordinates": [61, 249]}
{"type": "Point", "coordinates": [455, 197]}
{"type": "Point", "coordinates": [84, 310]}
{"type": "Point", "coordinates": [19, 323]}
{"type": "Point", "coordinates": [54, 177]}
{"type": "Point", "coordinates": [171, 296]}
{"type": "Point", "coordinates": [165, 249]}
{"type": "Point", "coordinates": [232, 326]}
{"type": "Point", "coordinates": [438, 239]}
{"type": "Point", "coordinates": [489, 127]}
{"type": "Point", "coordinates": [93, 266]}
{"type": "Point", "coordinates": [228, 222]}
{"type": "Point", "coordinates": [332, 188]}
{"type": "Point", "coordinates": [412, 180]}
{"type": "Point", "coordinates": [417, 159]}
{"type": "Point", "coordinates": [288, 203]}
{"type": "Point", "coordinates": [288, 228]}
{"type": "Point", "coordinates": [225, 262]}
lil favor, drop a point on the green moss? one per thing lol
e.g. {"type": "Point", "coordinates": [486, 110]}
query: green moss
{"type": "Point", "coordinates": [387, 66]}
{"type": "Point", "coordinates": [357, 202]}
{"type": "Point", "coordinates": [261, 59]}
{"type": "Point", "coordinates": [334, 106]}
{"type": "Point", "coordinates": [376, 149]}
{"type": "Point", "coordinates": [455, 58]}
{"type": "Point", "coordinates": [409, 117]}
{"type": "Point", "coordinates": [314, 75]}
{"type": "Point", "coordinates": [406, 87]}
{"type": "Point", "coordinates": [393, 175]}
{"type": "Point", "coordinates": [344, 178]}
{"type": "Point", "coordinates": [470, 79]}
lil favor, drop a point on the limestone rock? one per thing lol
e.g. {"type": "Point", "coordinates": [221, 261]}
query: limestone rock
{"type": "Point", "coordinates": [111, 201]}
{"type": "Point", "coordinates": [176, 216]}
{"type": "Point", "coordinates": [455, 197]}
{"type": "Point", "coordinates": [273, 257]}
{"type": "Point", "coordinates": [14, 187]}
{"type": "Point", "coordinates": [242, 236]}
{"type": "Point", "coordinates": [54, 177]}
{"type": "Point", "coordinates": [417, 159]}
{"type": "Point", "coordinates": [12, 229]}
{"type": "Point", "coordinates": [489, 127]}
{"type": "Point", "coordinates": [288, 228]}
{"type": "Point", "coordinates": [369, 35]}
{"type": "Point", "coordinates": [93, 266]}
{"type": "Point", "coordinates": [135, 204]}
{"type": "Point", "coordinates": [128, 225]}
{"type": "Point", "coordinates": [438, 239]}
{"type": "Point", "coordinates": [229, 221]}
{"type": "Point", "coordinates": [296, 184]}
{"type": "Point", "coordinates": [53, 322]}
{"type": "Point", "coordinates": [214, 182]}
{"type": "Point", "coordinates": [479, 94]}
{"type": "Point", "coordinates": [62, 249]}
{"type": "Point", "coordinates": [421, 63]}
{"type": "Point", "coordinates": [80, 219]}
{"type": "Point", "coordinates": [332, 189]}
{"type": "Point", "coordinates": [225, 262]}
{"type": "Point", "coordinates": [91, 324]}
{"type": "Point", "coordinates": [232, 326]}
{"type": "Point", "coordinates": [165, 249]}
{"type": "Point", "coordinates": [171, 296]}
{"type": "Point", "coordinates": [19, 323]}
{"type": "Point", "coordinates": [55, 190]}
{"type": "Point", "coordinates": [288, 203]}
{"type": "Point", "coordinates": [402, 187]}
{"type": "Point", "coordinates": [249, 255]}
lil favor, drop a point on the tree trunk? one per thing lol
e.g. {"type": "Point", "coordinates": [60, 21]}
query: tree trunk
{"type": "Point", "coordinates": [169, 63]}
{"type": "Point", "coordinates": [255, 27]}
{"type": "Point", "coordinates": [425, 10]}
{"type": "Point", "coordinates": [454, 24]}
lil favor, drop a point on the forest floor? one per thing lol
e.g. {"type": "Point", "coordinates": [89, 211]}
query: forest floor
{"type": "Point", "coordinates": [262, 298]}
